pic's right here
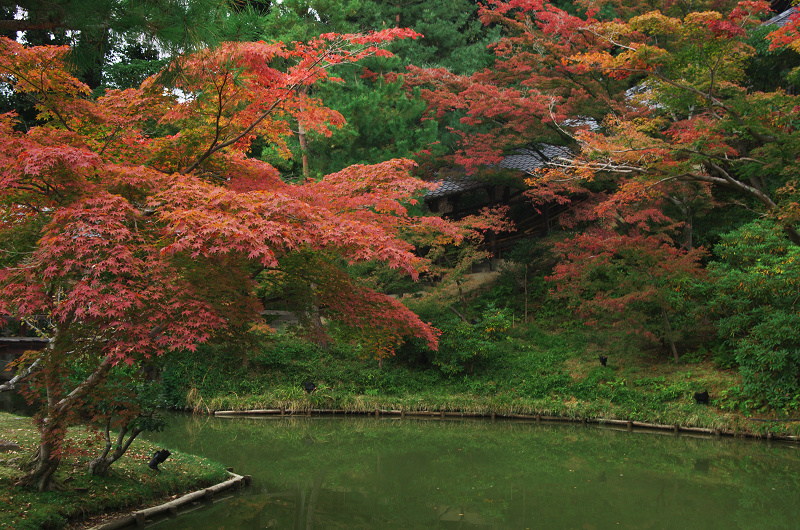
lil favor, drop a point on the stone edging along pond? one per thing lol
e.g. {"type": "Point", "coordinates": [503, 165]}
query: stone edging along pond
{"type": "Point", "coordinates": [629, 425]}
{"type": "Point", "coordinates": [139, 517]}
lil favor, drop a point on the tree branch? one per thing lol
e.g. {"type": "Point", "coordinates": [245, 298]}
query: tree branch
{"type": "Point", "coordinates": [11, 384]}
{"type": "Point", "coordinates": [82, 389]}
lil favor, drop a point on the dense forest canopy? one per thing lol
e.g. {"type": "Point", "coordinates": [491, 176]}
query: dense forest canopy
{"type": "Point", "coordinates": [168, 169]}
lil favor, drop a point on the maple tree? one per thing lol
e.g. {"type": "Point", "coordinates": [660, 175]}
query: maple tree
{"type": "Point", "coordinates": [654, 99]}
{"type": "Point", "coordinates": [567, 79]}
{"type": "Point", "coordinates": [695, 122]}
{"type": "Point", "coordinates": [155, 224]}
{"type": "Point", "coordinates": [635, 283]}
{"type": "Point", "coordinates": [696, 129]}
{"type": "Point", "coordinates": [526, 95]}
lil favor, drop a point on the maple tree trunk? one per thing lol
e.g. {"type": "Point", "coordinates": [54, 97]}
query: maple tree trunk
{"type": "Point", "coordinates": [688, 227]}
{"type": "Point", "coordinates": [688, 233]}
{"type": "Point", "coordinates": [792, 234]}
{"type": "Point", "coordinates": [463, 299]}
{"type": "Point", "coordinates": [458, 313]}
{"type": "Point", "coordinates": [321, 338]}
{"type": "Point", "coordinates": [45, 462]}
{"type": "Point", "coordinates": [101, 464]}
{"type": "Point", "coordinates": [42, 476]}
{"type": "Point", "coordinates": [790, 230]}
{"type": "Point", "coordinates": [47, 457]}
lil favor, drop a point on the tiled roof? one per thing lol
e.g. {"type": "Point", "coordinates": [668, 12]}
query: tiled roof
{"type": "Point", "coordinates": [453, 187]}
{"type": "Point", "coordinates": [782, 19]}
{"type": "Point", "coordinates": [527, 159]}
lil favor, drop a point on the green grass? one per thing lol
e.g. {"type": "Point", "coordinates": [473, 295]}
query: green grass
{"type": "Point", "coordinates": [130, 483]}
{"type": "Point", "coordinates": [530, 371]}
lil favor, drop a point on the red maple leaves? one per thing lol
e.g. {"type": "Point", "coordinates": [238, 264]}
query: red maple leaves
{"type": "Point", "coordinates": [155, 211]}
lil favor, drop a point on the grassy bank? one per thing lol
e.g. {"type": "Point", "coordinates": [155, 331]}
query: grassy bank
{"type": "Point", "coordinates": [130, 484]}
{"type": "Point", "coordinates": [527, 371]}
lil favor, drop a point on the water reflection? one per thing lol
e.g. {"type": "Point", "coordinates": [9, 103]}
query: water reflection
{"type": "Point", "coordinates": [391, 473]}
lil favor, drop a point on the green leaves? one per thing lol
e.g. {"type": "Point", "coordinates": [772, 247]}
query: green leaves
{"type": "Point", "coordinates": [754, 298]}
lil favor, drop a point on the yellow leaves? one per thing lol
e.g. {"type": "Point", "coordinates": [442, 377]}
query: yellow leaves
{"type": "Point", "coordinates": [611, 31]}
{"type": "Point", "coordinates": [655, 23]}
{"type": "Point", "coordinates": [38, 69]}
{"type": "Point", "coordinates": [644, 57]}
{"type": "Point", "coordinates": [703, 18]}
{"type": "Point", "coordinates": [648, 125]}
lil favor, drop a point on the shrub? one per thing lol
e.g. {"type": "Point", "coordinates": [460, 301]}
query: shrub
{"type": "Point", "coordinates": [753, 297]}
{"type": "Point", "coordinates": [463, 344]}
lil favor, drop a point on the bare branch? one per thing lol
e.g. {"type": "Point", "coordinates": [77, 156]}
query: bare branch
{"type": "Point", "coordinates": [566, 163]}
{"type": "Point", "coordinates": [608, 39]}
{"type": "Point", "coordinates": [11, 384]}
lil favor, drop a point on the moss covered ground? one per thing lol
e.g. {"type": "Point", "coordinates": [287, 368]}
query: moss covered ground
{"type": "Point", "coordinates": [129, 485]}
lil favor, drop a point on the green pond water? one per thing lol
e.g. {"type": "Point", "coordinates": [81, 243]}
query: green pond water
{"type": "Point", "coordinates": [364, 472]}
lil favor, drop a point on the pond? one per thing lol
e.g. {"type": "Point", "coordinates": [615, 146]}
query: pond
{"type": "Point", "coordinates": [364, 472]}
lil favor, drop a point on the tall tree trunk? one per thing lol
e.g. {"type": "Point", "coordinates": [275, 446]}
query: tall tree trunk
{"type": "Point", "coordinates": [301, 136]}
{"type": "Point", "coordinates": [668, 336]}
{"type": "Point", "coordinates": [688, 226]}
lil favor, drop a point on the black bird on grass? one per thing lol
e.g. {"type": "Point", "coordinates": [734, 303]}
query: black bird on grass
{"type": "Point", "coordinates": [603, 360]}
{"type": "Point", "coordinates": [309, 387]}
{"type": "Point", "coordinates": [701, 398]}
{"type": "Point", "coordinates": [158, 458]}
